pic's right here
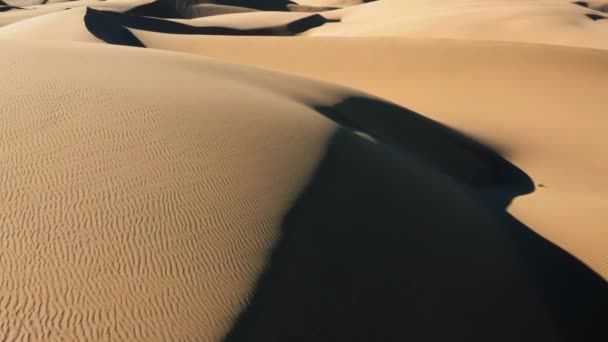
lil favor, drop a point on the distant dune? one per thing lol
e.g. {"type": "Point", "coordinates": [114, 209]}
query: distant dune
{"type": "Point", "coordinates": [314, 170]}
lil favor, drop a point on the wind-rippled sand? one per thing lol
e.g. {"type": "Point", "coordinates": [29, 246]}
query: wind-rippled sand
{"type": "Point", "coordinates": [126, 215]}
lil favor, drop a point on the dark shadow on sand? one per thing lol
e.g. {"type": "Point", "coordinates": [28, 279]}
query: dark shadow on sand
{"type": "Point", "coordinates": [261, 5]}
{"type": "Point", "coordinates": [113, 27]}
{"type": "Point", "coordinates": [595, 17]}
{"type": "Point", "coordinates": [398, 241]}
{"type": "Point", "coordinates": [6, 8]}
{"type": "Point", "coordinates": [157, 9]}
{"type": "Point", "coordinates": [258, 5]}
{"type": "Point", "coordinates": [265, 5]}
{"type": "Point", "coordinates": [599, 8]}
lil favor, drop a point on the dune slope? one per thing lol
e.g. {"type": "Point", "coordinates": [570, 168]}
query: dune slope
{"type": "Point", "coordinates": [181, 204]}
{"type": "Point", "coordinates": [477, 90]}
{"type": "Point", "coordinates": [219, 170]}
{"type": "Point", "coordinates": [133, 210]}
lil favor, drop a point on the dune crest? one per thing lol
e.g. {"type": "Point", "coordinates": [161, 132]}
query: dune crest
{"type": "Point", "coordinates": [158, 243]}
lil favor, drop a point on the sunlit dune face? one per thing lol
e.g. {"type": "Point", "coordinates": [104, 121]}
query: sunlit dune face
{"type": "Point", "coordinates": [146, 203]}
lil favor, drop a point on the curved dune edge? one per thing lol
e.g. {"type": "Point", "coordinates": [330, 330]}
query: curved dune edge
{"type": "Point", "coordinates": [396, 272]}
{"type": "Point", "coordinates": [441, 88]}
{"type": "Point", "coordinates": [139, 210]}
{"type": "Point", "coordinates": [556, 22]}
{"type": "Point", "coordinates": [601, 6]}
{"type": "Point", "coordinates": [111, 26]}
{"type": "Point", "coordinates": [142, 191]}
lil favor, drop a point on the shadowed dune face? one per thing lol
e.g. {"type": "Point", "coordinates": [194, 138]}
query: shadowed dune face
{"type": "Point", "coordinates": [7, 8]}
{"type": "Point", "coordinates": [460, 157]}
{"type": "Point", "coordinates": [477, 89]}
{"type": "Point", "coordinates": [157, 9]}
{"type": "Point", "coordinates": [203, 8]}
{"type": "Point", "coordinates": [193, 9]}
{"type": "Point", "coordinates": [387, 243]}
{"type": "Point", "coordinates": [598, 6]}
{"type": "Point", "coordinates": [4, 7]}
{"type": "Point", "coordinates": [595, 17]}
{"type": "Point", "coordinates": [267, 5]}
{"type": "Point", "coordinates": [595, 5]}
{"type": "Point", "coordinates": [113, 27]}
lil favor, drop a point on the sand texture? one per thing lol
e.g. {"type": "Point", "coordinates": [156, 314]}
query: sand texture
{"type": "Point", "coordinates": [315, 170]}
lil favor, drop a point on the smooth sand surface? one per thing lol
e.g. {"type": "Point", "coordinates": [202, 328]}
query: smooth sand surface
{"type": "Point", "coordinates": [558, 22]}
{"type": "Point", "coordinates": [173, 189]}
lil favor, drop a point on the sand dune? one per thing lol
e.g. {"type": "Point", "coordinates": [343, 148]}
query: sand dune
{"type": "Point", "coordinates": [154, 222]}
{"type": "Point", "coordinates": [555, 22]}
{"type": "Point", "coordinates": [601, 6]}
{"type": "Point", "coordinates": [88, 24]}
{"type": "Point", "coordinates": [141, 207]}
{"type": "Point", "coordinates": [114, 28]}
{"type": "Point", "coordinates": [29, 12]}
{"type": "Point", "coordinates": [225, 182]}
{"type": "Point", "coordinates": [570, 167]}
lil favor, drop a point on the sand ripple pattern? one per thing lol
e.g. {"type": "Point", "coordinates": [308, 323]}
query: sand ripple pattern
{"type": "Point", "coordinates": [138, 205]}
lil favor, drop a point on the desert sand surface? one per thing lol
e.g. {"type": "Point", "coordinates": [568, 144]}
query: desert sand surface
{"type": "Point", "coordinates": [316, 170]}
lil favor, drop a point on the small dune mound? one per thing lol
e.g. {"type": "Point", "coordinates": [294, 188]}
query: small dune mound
{"type": "Point", "coordinates": [600, 6]}
{"type": "Point", "coordinates": [595, 17]}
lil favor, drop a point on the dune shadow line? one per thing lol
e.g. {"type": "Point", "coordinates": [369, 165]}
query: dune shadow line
{"type": "Point", "coordinates": [4, 7]}
{"type": "Point", "coordinates": [113, 27]}
{"type": "Point", "coordinates": [395, 240]}
{"type": "Point", "coordinates": [595, 17]}
{"type": "Point", "coordinates": [157, 9]}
